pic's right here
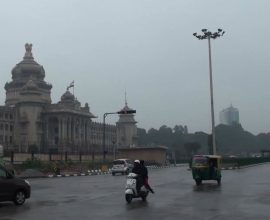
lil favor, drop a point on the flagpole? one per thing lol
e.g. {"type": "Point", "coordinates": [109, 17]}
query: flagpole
{"type": "Point", "coordinates": [73, 87]}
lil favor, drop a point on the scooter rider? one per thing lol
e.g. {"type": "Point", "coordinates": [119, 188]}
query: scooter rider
{"type": "Point", "coordinates": [137, 169]}
{"type": "Point", "coordinates": [145, 176]}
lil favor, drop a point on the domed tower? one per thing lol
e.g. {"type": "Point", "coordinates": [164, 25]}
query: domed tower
{"type": "Point", "coordinates": [28, 83]}
{"type": "Point", "coordinates": [126, 128]}
{"type": "Point", "coordinates": [29, 94]}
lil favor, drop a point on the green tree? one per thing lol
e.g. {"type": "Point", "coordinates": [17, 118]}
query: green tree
{"type": "Point", "coordinates": [192, 148]}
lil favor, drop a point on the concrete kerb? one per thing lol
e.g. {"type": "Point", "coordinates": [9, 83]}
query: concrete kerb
{"type": "Point", "coordinates": [77, 174]}
{"type": "Point", "coordinates": [166, 166]}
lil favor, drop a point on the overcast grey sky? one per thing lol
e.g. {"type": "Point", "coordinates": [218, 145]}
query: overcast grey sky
{"type": "Point", "coordinates": [147, 47]}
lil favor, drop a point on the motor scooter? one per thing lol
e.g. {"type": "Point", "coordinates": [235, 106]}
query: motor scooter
{"type": "Point", "coordinates": [131, 191]}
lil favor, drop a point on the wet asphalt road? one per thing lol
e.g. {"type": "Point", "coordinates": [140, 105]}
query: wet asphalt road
{"type": "Point", "coordinates": [244, 194]}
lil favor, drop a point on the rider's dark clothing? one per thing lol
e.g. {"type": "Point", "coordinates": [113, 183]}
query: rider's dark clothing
{"type": "Point", "coordinates": [137, 169]}
{"type": "Point", "coordinates": [145, 178]}
{"type": "Point", "coordinates": [144, 171]}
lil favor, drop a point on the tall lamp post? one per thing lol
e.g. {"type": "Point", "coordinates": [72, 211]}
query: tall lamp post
{"type": "Point", "coordinates": [206, 34]}
{"type": "Point", "coordinates": [104, 127]}
{"type": "Point", "coordinates": [114, 149]}
{"type": "Point", "coordinates": [104, 130]}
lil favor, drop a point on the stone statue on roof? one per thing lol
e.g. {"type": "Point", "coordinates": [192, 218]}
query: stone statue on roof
{"type": "Point", "coordinates": [28, 51]}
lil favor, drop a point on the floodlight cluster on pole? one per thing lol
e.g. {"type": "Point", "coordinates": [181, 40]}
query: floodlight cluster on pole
{"type": "Point", "coordinates": [206, 34]}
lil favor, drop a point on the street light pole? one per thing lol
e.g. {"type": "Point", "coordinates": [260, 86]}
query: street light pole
{"type": "Point", "coordinates": [104, 130]}
{"type": "Point", "coordinates": [103, 138]}
{"type": "Point", "coordinates": [212, 99]}
{"type": "Point", "coordinates": [208, 35]}
{"type": "Point", "coordinates": [114, 149]}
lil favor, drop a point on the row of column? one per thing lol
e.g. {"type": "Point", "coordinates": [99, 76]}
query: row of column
{"type": "Point", "coordinates": [67, 129]}
{"type": "Point", "coordinates": [73, 129]}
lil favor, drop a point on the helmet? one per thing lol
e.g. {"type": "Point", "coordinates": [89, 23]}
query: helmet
{"type": "Point", "coordinates": [136, 161]}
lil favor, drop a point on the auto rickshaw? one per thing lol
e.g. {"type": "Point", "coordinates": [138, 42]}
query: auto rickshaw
{"type": "Point", "coordinates": [206, 167]}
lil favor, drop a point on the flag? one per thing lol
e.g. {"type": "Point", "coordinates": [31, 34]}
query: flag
{"type": "Point", "coordinates": [71, 85]}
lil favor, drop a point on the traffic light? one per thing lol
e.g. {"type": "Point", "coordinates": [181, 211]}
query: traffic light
{"type": "Point", "coordinates": [126, 112]}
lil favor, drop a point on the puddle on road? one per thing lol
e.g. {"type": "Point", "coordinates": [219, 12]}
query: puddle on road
{"type": "Point", "coordinates": [69, 201]}
{"type": "Point", "coordinates": [8, 209]}
{"type": "Point", "coordinates": [46, 203]}
{"type": "Point", "coordinates": [207, 187]}
{"type": "Point", "coordinates": [136, 204]}
{"type": "Point", "coordinates": [263, 199]}
{"type": "Point", "coordinates": [66, 200]}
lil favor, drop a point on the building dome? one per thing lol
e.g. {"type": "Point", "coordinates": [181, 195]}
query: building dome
{"type": "Point", "coordinates": [28, 80]}
{"type": "Point", "coordinates": [67, 96]}
{"type": "Point", "coordinates": [28, 67]}
{"type": "Point", "coordinates": [126, 108]}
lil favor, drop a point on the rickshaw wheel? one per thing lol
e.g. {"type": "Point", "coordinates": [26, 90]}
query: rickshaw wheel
{"type": "Point", "coordinates": [198, 182]}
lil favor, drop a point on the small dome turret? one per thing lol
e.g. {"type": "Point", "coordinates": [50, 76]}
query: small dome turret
{"type": "Point", "coordinates": [67, 96]}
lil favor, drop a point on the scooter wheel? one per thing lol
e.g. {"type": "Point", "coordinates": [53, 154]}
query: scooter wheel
{"type": "Point", "coordinates": [128, 198]}
{"type": "Point", "coordinates": [144, 198]}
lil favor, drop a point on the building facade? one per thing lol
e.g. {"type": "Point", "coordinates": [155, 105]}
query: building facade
{"type": "Point", "coordinates": [229, 116]}
{"type": "Point", "coordinates": [7, 115]}
{"type": "Point", "coordinates": [29, 121]}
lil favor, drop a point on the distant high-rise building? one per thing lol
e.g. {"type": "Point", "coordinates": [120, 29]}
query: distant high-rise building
{"type": "Point", "coordinates": [229, 116]}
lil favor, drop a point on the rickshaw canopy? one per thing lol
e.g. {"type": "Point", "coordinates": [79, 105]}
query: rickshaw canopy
{"type": "Point", "coordinates": [203, 160]}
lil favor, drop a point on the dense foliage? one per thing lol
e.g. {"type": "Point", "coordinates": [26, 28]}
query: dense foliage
{"type": "Point", "coordinates": [231, 140]}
